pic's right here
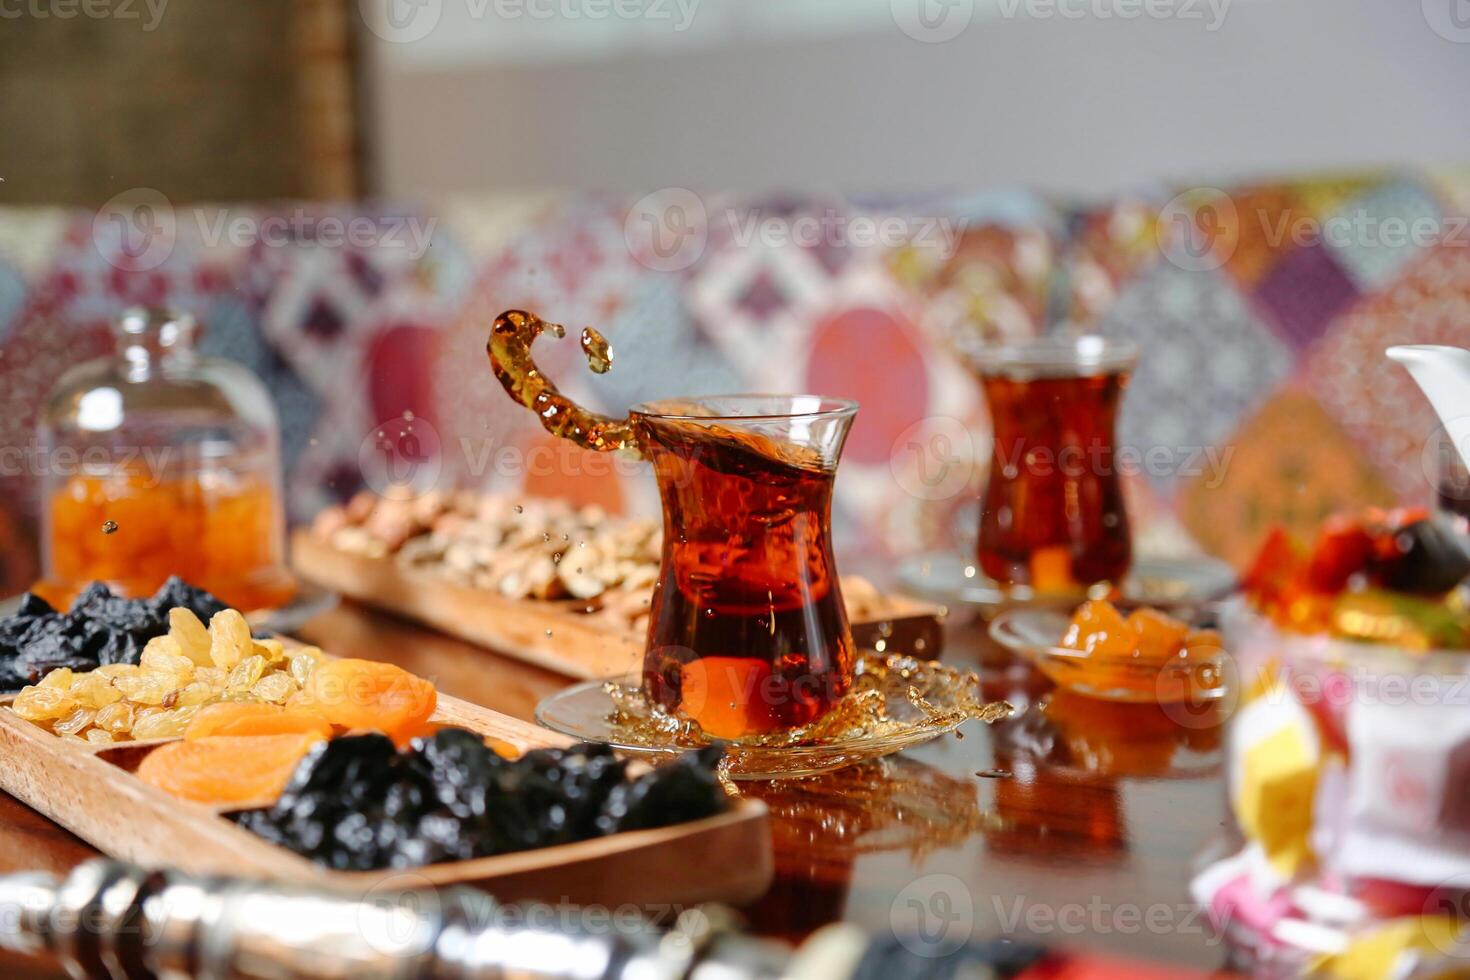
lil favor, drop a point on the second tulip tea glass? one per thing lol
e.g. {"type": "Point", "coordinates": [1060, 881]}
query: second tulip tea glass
{"type": "Point", "coordinates": [1052, 517]}
{"type": "Point", "coordinates": [748, 633]}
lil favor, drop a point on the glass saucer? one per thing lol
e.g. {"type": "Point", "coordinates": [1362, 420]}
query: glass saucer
{"type": "Point", "coordinates": [1164, 583]}
{"type": "Point", "coordinates": [896, 702]}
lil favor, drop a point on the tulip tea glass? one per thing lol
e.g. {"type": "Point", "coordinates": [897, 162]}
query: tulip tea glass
{"type": "Point", "coordinates": [1052, 518]}
{"type": "Point", "coordinates": [748, 633]}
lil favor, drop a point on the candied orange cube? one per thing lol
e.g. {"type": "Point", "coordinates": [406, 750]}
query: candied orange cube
{"type": "Point", "coordinates": [1204, 641]}
{"type": "Point", "coordinates": [1160, 636]}
{"type": "Point", "coordinates": [1098, 628]}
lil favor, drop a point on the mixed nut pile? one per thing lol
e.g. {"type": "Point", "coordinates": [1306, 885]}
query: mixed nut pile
{"type": "Point", "coordinates": [536, 548]}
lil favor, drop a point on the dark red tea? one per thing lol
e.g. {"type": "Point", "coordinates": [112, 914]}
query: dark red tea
{"type": "Point", "coordinates": [1052, 517]}
{"type": "Point", "coordinates": [748, 632]}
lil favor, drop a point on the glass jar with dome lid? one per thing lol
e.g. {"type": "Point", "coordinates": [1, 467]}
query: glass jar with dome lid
{"type": "Point", "coordinates": [161, 461]}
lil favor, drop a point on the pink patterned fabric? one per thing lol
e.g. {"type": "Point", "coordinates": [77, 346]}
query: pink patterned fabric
{"type": "Point", "coordinates": [785, 295]}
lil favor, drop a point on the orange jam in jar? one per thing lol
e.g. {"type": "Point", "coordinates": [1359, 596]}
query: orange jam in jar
{"type": "Point", "coordinates": [217, 530]}
{"type": "Point", "coordinates": [159, 461]}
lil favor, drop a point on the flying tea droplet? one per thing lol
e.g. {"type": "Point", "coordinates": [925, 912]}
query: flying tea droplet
{"type": "Point", "coordinates": [599, 353]}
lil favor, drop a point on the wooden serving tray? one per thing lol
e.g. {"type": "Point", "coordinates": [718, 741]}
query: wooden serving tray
{"type": "Point", "coordinates": [92, 792]}
{"type": "Point", "coordinates": [556, 634]}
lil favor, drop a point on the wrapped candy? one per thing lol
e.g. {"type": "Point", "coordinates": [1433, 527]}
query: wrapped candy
{"type": "Point", "coordinates": [1276, 757]}
{"type": "Point", "coordinates": [1407, 816]}
{"type": "Point", "coordinates": [1396, 948]}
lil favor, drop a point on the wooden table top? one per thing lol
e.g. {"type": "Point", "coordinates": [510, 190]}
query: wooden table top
{"type": "Point", "coordinates": [1075, 825]}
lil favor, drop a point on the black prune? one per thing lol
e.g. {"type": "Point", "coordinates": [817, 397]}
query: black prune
{"type": "Point", "coordinates": [352, 764]}
{"type": "Point", "coordinates": [17, 632]}
{"type": "Point", "coordinates": [552, 796]}
{"type": "Point", "coordinates": [686, 789]}
{"type": "Point", "coordinates": [32, 605]}
{"type": "Point", "coordinates": [10, 678]}
{"type": "Point", "coordinates": [176, 592]}
{"type": "Point", "coordinates": [48, 650]}
{"type": "Point", "coordinates": [99, 628]}
{"type": "Point", "coordinates": [96, 602]}
{"type": "Point", "coordinates": [436, 837]}
{"type": "Point", "coordinates": [356, 804]}
{"type": "Point", "coordinates": [120, 648]}
{"type": "Point", "coordinates": [93, 595]}
{"type": "Point", "coordinates": [460, 768]}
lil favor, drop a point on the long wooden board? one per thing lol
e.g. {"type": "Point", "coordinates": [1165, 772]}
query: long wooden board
{"type": "Point", "coordinates": [555, 634]}
{"type": "Point", "coordinates": [92, 792]}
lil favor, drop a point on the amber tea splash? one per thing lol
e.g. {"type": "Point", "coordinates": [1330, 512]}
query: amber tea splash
{"type": "Point", "coordinates": [748, 633]}
{"type": "Point", "coordinates": [510, 358]}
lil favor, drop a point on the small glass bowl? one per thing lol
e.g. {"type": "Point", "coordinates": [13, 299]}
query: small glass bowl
{"type": "Point", "coordinates": [1194, 676]}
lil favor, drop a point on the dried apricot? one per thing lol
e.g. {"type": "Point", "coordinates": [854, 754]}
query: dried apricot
{"type": "Point", "coordinates": [254, 718]}
{"type": "Point", "coordinates": [224, 770]}
{"type": "Point", "coordinates": [368, 694]}
{"type": "Point", "coordinates": [405, 736]}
